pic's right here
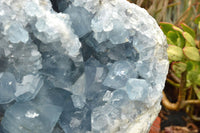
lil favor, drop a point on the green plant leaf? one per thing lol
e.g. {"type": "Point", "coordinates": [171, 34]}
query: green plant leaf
{"type": "Point", "coordinates": [192, 76]}
{"type": "Point", "coordinates": [172, 35]}
{"type": "Point", "coordinates": [178, 67]}
{"type": "Point", "coordinates": [198, 64]}
{"type": "Point", "coordinates": [197, 19]}
{"type": "Point", "coordinates": [166, 27]}
{"type": "Point", "coordinates": [198, 80]}
{"type": "Point", "coordinates": [197, 91]}
{"type": "Point", "coordinates": [189, 39]}
{"type": "Point", "coordinates": [187, 44]}
{"type": "Point", "coordinates": [186, 28]}
{"type": "Point", "coordinates": [181, 39]}
{"type": "Point", "coordinates": [190, 65]}
{"type": "Point", "coordinates": [170, 30]}
{"type": "Point", "coordinates": [175, 53]}
{"type": "Point", "coordinates": [199, 25]}
{"type": "Point", "coordinates": [192, 53]}
{"type": "Point", "coordinates": [177, 29]}
{"type": "Point", "coordinates": [170, 42]}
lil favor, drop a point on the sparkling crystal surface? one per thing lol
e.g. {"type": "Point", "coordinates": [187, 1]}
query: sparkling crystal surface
{"type": "Point", "coordinates": [7, 87]}
{"type": "Point", "coordinates": [79, 66]}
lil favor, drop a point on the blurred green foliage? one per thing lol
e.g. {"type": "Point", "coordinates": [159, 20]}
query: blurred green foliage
{"type": "Point", "coordinates": [172, 11]}
{"type": "Point", "coordinates": [184, 56]}
{"type": "Point", "coordinates": [183, 51]}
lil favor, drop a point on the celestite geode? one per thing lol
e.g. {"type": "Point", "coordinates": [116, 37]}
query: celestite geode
{"type": "Point", "coordinates": [81, 66]}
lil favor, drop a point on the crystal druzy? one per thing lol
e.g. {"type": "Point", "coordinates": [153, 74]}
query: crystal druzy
{"type": "Point", "coordinates": [79, 66]}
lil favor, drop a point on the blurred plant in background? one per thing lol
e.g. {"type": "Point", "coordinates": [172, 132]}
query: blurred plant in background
{"type": "Point", "coordinates": [184, 74]}
{"type": "Point", "coordinates": [180, 22]}
{"type": "Point", "coordinates": [172, 11]}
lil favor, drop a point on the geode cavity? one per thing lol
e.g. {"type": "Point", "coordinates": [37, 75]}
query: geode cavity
{"type": "Point", "coordinates": [79, 66]}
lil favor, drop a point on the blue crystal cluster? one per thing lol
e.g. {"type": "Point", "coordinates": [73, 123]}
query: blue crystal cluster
{"type": "Point", "coordinates": [79, 66]}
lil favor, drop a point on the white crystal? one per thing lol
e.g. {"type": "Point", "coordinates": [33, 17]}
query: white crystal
{"type": "Point", "coordinates": [7, 87]}
{"type": "Point", "coordinates": [82, 26]}
{"type": "Point", "coordinates": [16, 33]}
{"type": "Point", "coordinates": [28, 89]}
{"type": "Point", "coordinates": [25, 121]}
{"type": "Point", "coordinates": [78, 101]}
{"type": "Point", "coordinates": [118, 74]}
{"type": "Point", "coordinates": [137, 89]}
{"type": "Point", "coordinates": [31, 114]}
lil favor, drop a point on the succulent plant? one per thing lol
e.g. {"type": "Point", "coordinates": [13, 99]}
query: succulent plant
{"type": "Point", "coordinates": [184, 56]}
